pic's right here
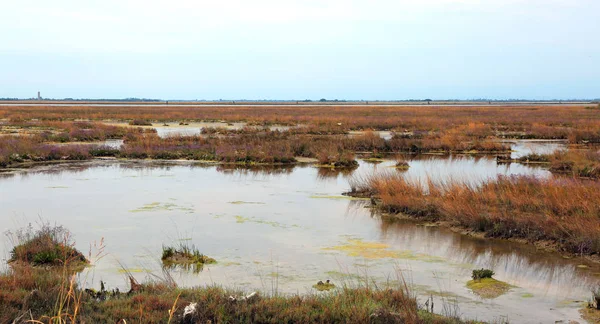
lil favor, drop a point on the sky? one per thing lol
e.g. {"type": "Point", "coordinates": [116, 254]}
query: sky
{"type": "Point", "coordinates": [311, 49]}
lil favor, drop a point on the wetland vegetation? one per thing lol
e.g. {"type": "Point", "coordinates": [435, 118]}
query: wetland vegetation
{"type": "Point", "coordinates": [51, 294]}
{"type": "Point", "coordinates": [185, 256]}
{"type": "Point", "coordinates": [269, 145]}
{"type": "Point", "coordinates": [313, 132]}
{"type": "Point", "coordinates": [563, 211]}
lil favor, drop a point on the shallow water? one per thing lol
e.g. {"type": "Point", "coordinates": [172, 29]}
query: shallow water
{"type": "Point", "coordinates": [524, 147]}
{"type": "Point", "coordinates": [164, 130]}
{"type": "Point", "coordinates": [386, 135]}
{"type": "Point", "coordinates": [286, 228]}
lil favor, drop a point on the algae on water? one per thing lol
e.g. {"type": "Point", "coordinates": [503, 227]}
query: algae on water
{"type": "Point", "coordinates": [157, 206]}
{"type": "Point", "coordinates": [369, 250]}
{"type": "Point", "coordinates": [356, 247]}
{"type": "Point", "coordinates": [488, 287]}
{"type": "Point", "coordinates": [241, 220]}
{"type": "Point", "coordinates": [239, 202]}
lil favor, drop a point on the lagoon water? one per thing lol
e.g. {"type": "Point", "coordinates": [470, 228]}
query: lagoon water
{"type": "Point", "coordinates": [284, 229]}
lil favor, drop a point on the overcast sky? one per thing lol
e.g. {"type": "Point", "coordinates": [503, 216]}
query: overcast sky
{"type": "Point", "coordinates": [278, 49]}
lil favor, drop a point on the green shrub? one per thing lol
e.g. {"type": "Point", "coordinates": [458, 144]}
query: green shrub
{"type": "Point", "coordinates": [482, 273]}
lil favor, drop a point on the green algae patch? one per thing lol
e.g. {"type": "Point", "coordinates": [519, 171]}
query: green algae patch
{"type": "Point", "coordinates": [527, 295]}
{"type": "Point", "coordinates": [368, 250]}
{"type": "Point", "coordinates": [488, 287]}
{"type": "Point", "coordinates": [356, 247]}
{"type": "Point", "coordinates": [229, 264]}
{"type": "Point", "coordinates": [324, 286]}
{"type": "Point", "coordinates": [157, 206]}
{"type": "Point", "coordinates": [343, 275]}
{"type": "Point", "coordinates": [242, 220]}
{"type": "Point", "coordinates": [239, 202]}
{"type": "Point", "coordinates": [282, 277]}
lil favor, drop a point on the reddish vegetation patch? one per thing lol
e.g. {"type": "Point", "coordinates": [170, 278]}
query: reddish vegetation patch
{"type": "Point", "coordinates": [565, 211]}
{"type": "Point", "coordinates": [575, 123]}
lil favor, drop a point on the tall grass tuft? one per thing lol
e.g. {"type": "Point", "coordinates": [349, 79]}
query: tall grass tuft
{"type": "Point", "coordinates": [564, 211]}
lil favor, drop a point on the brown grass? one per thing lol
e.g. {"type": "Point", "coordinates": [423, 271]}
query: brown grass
{"type": "Point", "coordinates": [43, 296]}
{"type": "Point", "coordinates": [572, 122]}
{"type": "Point", "coordinates": [585, 164]}
{"type": "Point", "coordinates": [565, 211]}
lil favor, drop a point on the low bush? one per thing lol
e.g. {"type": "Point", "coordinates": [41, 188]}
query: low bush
{"type": "Point", "coordinates": [48, 246]}
{"type": "Point", "coordinates": [482, 273]}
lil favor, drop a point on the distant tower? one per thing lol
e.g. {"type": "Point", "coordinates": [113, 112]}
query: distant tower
{"type": "Point", "coordinates": [39, 96]}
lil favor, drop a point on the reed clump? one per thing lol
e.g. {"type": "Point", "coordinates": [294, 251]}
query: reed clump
{"type": "Point", "coordinates": [563, 211]}
{"type": "Point", "coordinates": [578, 163]}
{"type": "Point", "coordinates": [186, 256]}
{"type": "Point", "coordinates": [47, 246]}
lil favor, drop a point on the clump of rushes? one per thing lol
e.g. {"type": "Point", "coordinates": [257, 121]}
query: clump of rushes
{"type": "Point", "coordinates": [324, 286]}
{"type": "Point", "coordinates": [185, 256]}
{"type": "Point", "coordinates": [564, 211]}
{"type": "Point", "coordinates": [534, 157]}
{"type": "Point", "coordinates": [337, 159]}
{"type": "Point", "coordinates": [140, 122]}
{"type": "Point", "coordinates": [48, 246]}
{"type": "Point", "coordinates": [401, 164]}
{"type": "Point", "coordinates": [482, 273]}
{"type": "Point", "coordinates": [582, 164]}
{"type": "Point", "coordinates": [585, 164]}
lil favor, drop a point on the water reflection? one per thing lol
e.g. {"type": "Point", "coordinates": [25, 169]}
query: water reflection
{"type": "Point", "coordinates": [471, 170]}
{"type": "Point", "coordinates": [519, 264]}
{"type": "Point", "coordinates": [324, 174]}
{"type": "Point", "coordinates": [524, 147]}
{"type": "Point", "coordinates": [255, 170]}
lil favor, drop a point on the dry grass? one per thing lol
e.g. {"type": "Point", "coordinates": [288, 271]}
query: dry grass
{"type": "Point", "coordinates": [159, 303]}
{"type": "Point", "coordinates": [37, 295]}
{"type": "Point", "coordinates": [572, 122]}
{"type": "Point", "coordinates": [32, 294]}
{"type": "Point", "coordinates": [565, 211]}
{"type": "Point", "coordinates": [585, 164]}
{"type": "Point", "coordinates": [68, 131]}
